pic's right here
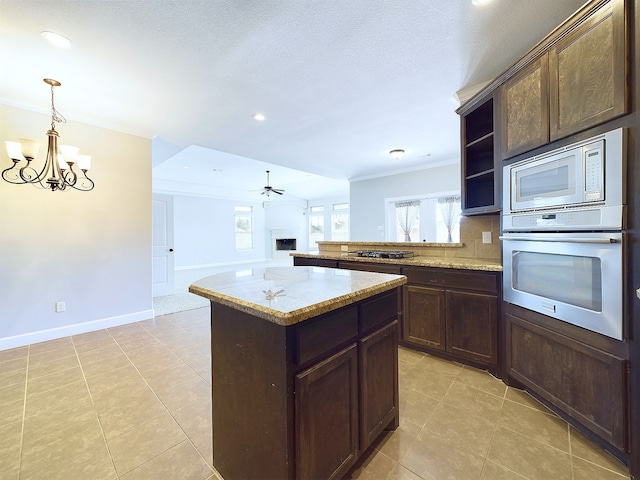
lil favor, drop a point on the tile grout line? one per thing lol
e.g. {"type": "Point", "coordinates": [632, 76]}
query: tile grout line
{"type": "Point", "coordinates": [95, 410]}
{"type": "Point", "coordinates": [159, 399]}
{"type": "Point", "coordinates": [24, 412]}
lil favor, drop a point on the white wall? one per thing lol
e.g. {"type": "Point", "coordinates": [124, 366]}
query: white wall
{"type": "Point", "coordinates": [204, 232]}
{"type": "Point", "coordinates": [367, 206]}
{"type": "Point", "coordinates": [91, 250]}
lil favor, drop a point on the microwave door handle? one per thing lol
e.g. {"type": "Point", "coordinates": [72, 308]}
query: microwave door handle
{"type": "Point", "coordinates": [563, 240]}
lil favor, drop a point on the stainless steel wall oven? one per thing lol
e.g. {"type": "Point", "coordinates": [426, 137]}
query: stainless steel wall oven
{"type": "Point", "coordinates": [563, 237]}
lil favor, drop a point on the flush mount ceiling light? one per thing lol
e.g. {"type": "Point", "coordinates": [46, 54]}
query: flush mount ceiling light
{"type": "Point", "coordinates": [397, 153]}
{"type": "Point", "coordinates": [479, 3]}
{"type": "Point", "coordinates": [259, 117]}
{"type": "Point", "coordinates": [56, 39]}
{"type": "Point", "coordinates": [57, 172]}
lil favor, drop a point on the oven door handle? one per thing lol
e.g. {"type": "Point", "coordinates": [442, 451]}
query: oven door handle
{"type": "Point", "coordinates": [564, 240]}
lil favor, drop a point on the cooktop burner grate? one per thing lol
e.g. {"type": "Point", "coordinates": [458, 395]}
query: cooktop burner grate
{"type": "Point", "coordinates": [382, 253]}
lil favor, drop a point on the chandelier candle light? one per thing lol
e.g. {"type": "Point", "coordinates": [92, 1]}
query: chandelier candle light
{"type": "Point", "coordinates": [57, 172]}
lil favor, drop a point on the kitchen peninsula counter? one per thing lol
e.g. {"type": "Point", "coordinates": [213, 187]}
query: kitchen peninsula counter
{"type": "Point", "coordinates": [460, 263]}
{"type": "Point", "coordinates": [304, 368]}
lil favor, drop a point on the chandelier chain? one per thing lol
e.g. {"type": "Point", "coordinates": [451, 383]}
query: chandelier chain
{"type": "Point", "coordinates": [55, 115]}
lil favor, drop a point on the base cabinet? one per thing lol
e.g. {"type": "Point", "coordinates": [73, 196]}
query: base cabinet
{"type": "Point", "coordinates": [424, 316]}
{"type": "Point", "coordinates": [456, 313]}
{"type": "Point", "coordinates": [472, 325]}
{"type": "Point", "coordinates": [586, 383]}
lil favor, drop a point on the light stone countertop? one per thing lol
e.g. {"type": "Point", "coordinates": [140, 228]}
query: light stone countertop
{"type": "Point", "coordinates": [462, 263]}
{"type": "Point", "coordinates": [288, 295]}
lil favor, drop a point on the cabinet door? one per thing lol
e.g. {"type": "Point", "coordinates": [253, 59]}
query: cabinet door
{"type": "Point", "coordinates": [327, 416]}
{"type": "Point", "coordinates": [378, 382]}
{"type": "Point", "coordinates": [588, 72]}
{"type": "Point", "coordinates": [586, 383]}
{"type": "Point", "coordinates": [526, 109]}
{"type": "Point", "coordinates": [424, 316]}
{"type": "Point", "coordinates": [472, 320]}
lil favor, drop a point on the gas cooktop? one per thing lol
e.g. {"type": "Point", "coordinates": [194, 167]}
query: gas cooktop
{"type": "Point", "coordinates": [382, 253]}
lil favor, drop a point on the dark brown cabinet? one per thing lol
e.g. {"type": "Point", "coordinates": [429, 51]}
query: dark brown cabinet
{"type": "Point", "coordinates": [472, 325]}
{"type": "Point", "coordinates": [424, 317]}
{"type": "Point", "coordinates": [479, 178]}
{"type": "Point", "coordinates": [587, 70]}
{"type": "Point", "coordinates": [315, 262]}
{"type": "Point", "coordinates": [585, 382]}
{"type": "Point", "coordinates": [327, 416]}
{"type": "Point", "coordinates": [578, 82]}
{"type": "Point", "coordinates": [525, 115]}
{"type": "Point", "coordinates": [306, 400]}
{"type": "Point", "coordinates": [454, 312]}
{"type": "Point", "coordinates": [378, 383]}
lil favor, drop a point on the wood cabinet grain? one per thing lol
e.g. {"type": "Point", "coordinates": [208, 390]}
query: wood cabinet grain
{"type": "Point", "coordinates": [525, 113]}
{"type": "Point", "coordinates": [586, 383]}
{"type": "Point", "coordinates": [588, 79]}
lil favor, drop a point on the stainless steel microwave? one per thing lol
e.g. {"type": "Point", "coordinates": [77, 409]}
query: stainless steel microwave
{"type": "Point", "coordinates": [579, 186]}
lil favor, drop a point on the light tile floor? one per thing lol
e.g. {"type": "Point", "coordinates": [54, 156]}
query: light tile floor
{"type": "Point", "coordinates": [134, 402]}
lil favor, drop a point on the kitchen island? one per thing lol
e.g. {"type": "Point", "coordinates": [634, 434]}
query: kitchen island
{"type": "Point", "coordinates": [304, 368]}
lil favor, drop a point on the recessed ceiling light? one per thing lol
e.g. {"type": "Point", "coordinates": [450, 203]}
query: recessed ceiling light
{"type": "Point", "coordinates": [259, 117]}
{"type": "Point", "coordinates": [56, 39]}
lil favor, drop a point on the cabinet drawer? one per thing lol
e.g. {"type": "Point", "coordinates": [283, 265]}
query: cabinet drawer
{"type": "Point", "coordinates": [483, 282]}
{"type": "Point", "coordinates": [325, 333]}
{"type": "Point", "coordinates": [380, 309]}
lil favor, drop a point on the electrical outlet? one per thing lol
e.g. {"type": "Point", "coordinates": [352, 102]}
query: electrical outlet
{"type": "Point", "coordinates": [486, 237]}
{"type": "Point", "coordinates": [60, 307]}
{"type": "Point", "coordinates": [344, 248]}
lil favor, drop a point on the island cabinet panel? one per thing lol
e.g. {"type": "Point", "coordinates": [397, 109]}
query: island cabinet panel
{"type": "Point", "coordinates": [306, 400]}
{"type": "Point", "coordinates": [588, 72]}
{"type": "Point", "coordinates": [250, 384]}
{"type": "Point", "coordinates": [526, 109]}
{"type": "Point", "coordinates": [316, 338]}
{"type": "Point", "coordinates": [327, 416]}
{"type": "Point", "coordinates": [584, 382]}
{"type": "Point", "coordinates": [452, 311]}
{"type": "Point", "coordinates": [378, 383]}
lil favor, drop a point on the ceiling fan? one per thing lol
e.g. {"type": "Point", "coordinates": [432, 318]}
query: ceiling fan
{"type": "Point", "coordinates": [268, 189]}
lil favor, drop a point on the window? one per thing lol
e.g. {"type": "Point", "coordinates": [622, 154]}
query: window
{"type": "Point", "coordinates": [426, 218]}
{"type": "Point", "coordinates": [407, 215]}
{"type": "Point", "coordinates": [244, 227]}
{"type": "Point", "coordinates": [316, 226]}
{"type": "Point", "coordinates": [340, 222]}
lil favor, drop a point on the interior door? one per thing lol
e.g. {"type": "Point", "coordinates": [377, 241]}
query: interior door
{"type": "Point", "coordinates": [162, 228]}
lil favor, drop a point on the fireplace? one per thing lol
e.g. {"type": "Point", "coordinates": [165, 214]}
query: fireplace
{"type": "Point", "coordinates": [285, 243]}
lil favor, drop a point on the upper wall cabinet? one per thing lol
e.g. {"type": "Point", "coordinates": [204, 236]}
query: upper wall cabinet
{"type": "Point", "coordinates": [479, 175]}
{"type": "Point", "coordinates": [588, 72]}
{"type": "Point", "coordinates": [577, 81]}
{"type": "Point", "coordinates": [526, 109]}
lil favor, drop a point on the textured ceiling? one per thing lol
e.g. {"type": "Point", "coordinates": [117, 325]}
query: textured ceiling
{"type": "Point", "coordinates": [341, 82]}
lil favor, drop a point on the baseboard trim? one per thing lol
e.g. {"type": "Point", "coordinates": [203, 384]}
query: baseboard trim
{"type": "Point", "coordinates": [75, 329]}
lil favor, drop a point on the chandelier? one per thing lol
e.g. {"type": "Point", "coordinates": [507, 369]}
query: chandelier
{"type": "Point", "coordinates": [58, 171]}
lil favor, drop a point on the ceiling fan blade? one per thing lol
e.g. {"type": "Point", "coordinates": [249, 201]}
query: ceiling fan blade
{"type": "Point", "coordinates": [277, 190]}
